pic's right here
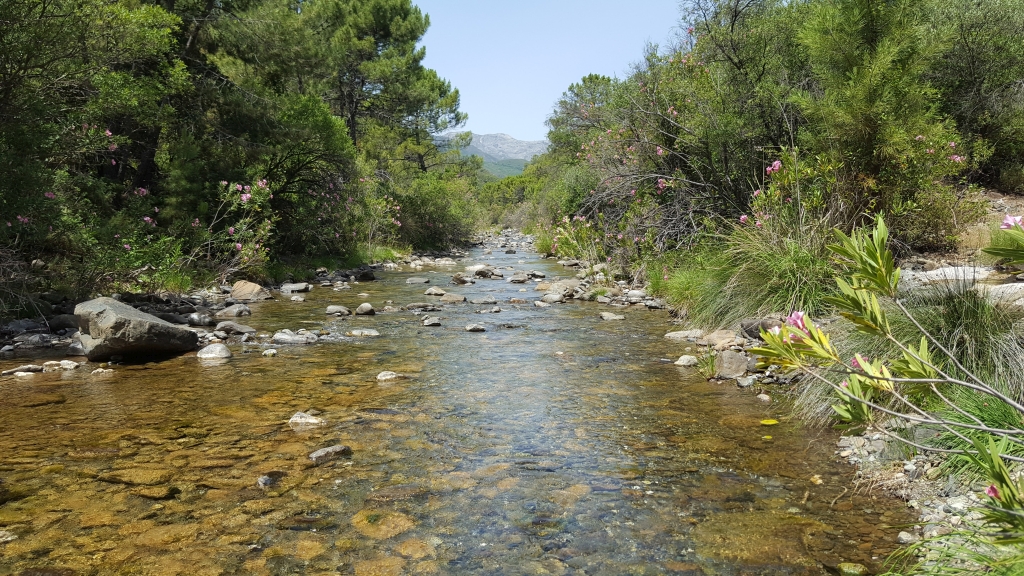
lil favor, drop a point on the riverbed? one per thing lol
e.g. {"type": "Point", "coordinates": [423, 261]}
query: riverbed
{"type": "Point", "coordinates": [554, 442]}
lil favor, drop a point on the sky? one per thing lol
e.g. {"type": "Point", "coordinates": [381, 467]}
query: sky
{"type": "Point", "coordinates": [512, 59]}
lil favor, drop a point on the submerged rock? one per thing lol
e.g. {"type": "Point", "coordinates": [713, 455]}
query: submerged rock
{"type": "Point", "coordinates": [234, 311]}
{"type": "Point", "coordinates": [330, 453]}
{"type": "Point", "coordinates": [365, 332]}
{"type": "Point", "coordinates": [301, 421]}
{"type": "Point", "coordinates": [611, 316]}
{"type": "Point", "coordinates": [288, 337]}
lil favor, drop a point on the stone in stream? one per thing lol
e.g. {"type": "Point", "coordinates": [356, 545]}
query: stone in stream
{"type": "Point", "coordinates": [611, 316]}
{"type": "Point", "coordinates": [416, 280]}
{"type": "Point", "coordinates": [387, 375]}
{"type": "Point", "coordinates": [199, 319]}
{"type": "Point", "coordinates": [431, 321]}
{"type": "Point", "coordinates": [434, 291]}
{"type": "Point", "coordinates": [249, 291]}
{"type": "Point", "coordinates": [365, 309]}
{"type": "Point", "coordinates": [460, 278]}
{"type": "Point", "coordinates": [303, 421]}
{"type": "Point", "coordinates": [686, 360]}
{"type": "Point", "coordinates": [730, 364]}
{"type": "Point", "coordinates": [451, 298]}
{"type": "Point", "coordinates": [476, 328]}
{"type": "Point", "coordinates": [24, 368]}
{"type": "Point", "coordinates": [288, 337]}
{"type": "Point", "coordinates": [270, 479]}
{"type": "Point", "coordinates": [111, 328]}
{"type": "Point", "coordinates": [338, 310]}
{"type": "Point", "coordinates": [425, 306]}
{"type": "Point", "coordinates": [214, 351]}
{"type": "Point", "coordinates": [519, 278]}
{"type": "Point", "coordinates": [746, 381]}
{"type": "Point", "coordinates": [297, 298]}
{"type": "Point", "coordinates": [684, 335]}
{"type": "Point", "coordinates": [234, 311]}
{"type": "Point", "coordinates": [324, 455]}
{"type": "Point", "coordinates": [538, 303]}
{"type": "Point", "coordinates": [269, 353]}
{"type": "Point", "coordinates": [852, 569]}
{"type": "Point", "coordinates": [484, 300]}
{"type": "Point", "coordinates": [295, 287]}
{"type": "Point", "coordinates": [229, 327]}
{"type": "Point", "coordinates": [365, 332]}
{"type": "Point", "coordinates": [552, 298]}
{"type": "Point", "coordinates": [764, 398]}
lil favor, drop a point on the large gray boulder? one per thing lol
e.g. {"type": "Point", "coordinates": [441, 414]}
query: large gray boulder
{"type": "Point", "coordinates": [249, 291]}
{"type": "Point", "coordinates": [111, 328]}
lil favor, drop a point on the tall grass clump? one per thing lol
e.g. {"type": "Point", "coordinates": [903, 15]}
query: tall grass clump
{"type": "Point", "coordinates": [771, 262]}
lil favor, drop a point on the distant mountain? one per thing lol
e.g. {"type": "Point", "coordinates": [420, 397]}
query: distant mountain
{"type": "Point", "coordinates": [503, 155]}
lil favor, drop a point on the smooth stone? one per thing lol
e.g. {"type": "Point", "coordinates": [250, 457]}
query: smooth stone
{"type": "Point", "coordinates": [431, 321]}
{"type": "Point", "coordinates": [764, 398]}
{"type": "Point", "coordinates": [611, 316]}
{"type": "Point", "coordinates": [301, 420]}
{"type": "Point", "coordinates": [23, 368]}
{"type": "Point", "coordinates": [295, 287]}
{"type": "Point", "coordinates": [684, 335]}
{"type": "Point", "coordinates": [365, 309]}
{"type": "Point", "coordinates": [234, 311]}
{"type": "Point", "coordinates": [197, 319]}
{"type": "Point", "coordinates": [476, 328]}
{"type": "Point", "coordinates": [297, 299]}
{"type": "Point", "coordinates": [269, 353]}
{"type": "Point", "coordinates": [288, 337]}
{"type": "Point", "coordinates": [686, 360]}
{"type": "Point", "coordinates": [540, 304]}
{"type": "Point", "coordinates": [338, 310]}
{"type": "Point", "coordinates": [330, 453]}
{"type": "Point", "coordinates": [746, 381]}
{"type": "Point", "coordinates": [416, 280]}
{"type": "Point", "coordinates": [387, 375]}
{"type": "Point", "coordinates": [245, 290]}
{"type": "Point", "coordinates": [214, 351]}
{"type": "Point", "coordinates": [453, 298]}
{"type": "Point", "coordinates": [363, 332]}
{"type": "Point", "coordinates": [730, 364]}
{"type": "Point", "coordinates": [552, 298]}
{"type": "Point", "coordinates": [484, 300]}
{"type": "Point", "coordinates": [434, 291]}
{"type": "Point", "coordinates": [234, 328]}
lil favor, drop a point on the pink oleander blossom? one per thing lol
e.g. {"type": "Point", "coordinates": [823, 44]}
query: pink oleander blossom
{"type": "Point", "coordinates": [127, 247]}
{"type": "Point", "coordinates": [231, 231]}
{"type": "Point", "coordinates": [743, 219]}
{"type": "Point", "coordinates": [796, 320]}
{"type": "Point", "coordinates": [1011, 221]}
{"type": "Point", "coordinates": [49, 195]}
{"type": "Point", "coordinates": [245, 198]}
{"type": "Point", "coordinates": [238, 246]}
{"type": "Point", "coordinates": [992, 492]}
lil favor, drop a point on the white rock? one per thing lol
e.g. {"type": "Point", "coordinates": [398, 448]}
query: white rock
{"type": "Point", "coordinates": [611, 316]}
{"type": "Point", "coordinates": [476, 328]}
{"type": "Point", "coordinates": [270, 352]}
{"type": "Point", "coordinates": [301, 420]}
{"type": "Point", "coordinates": [386, 375]}
{"type": "Point", "coordinates": [764, 398]}
{"type": "Point", "coordinates": [363, 333]}
{"type": "Point", "coordinates": [103, 371]}
{"type": "Point", "coordinates": [686, 360]}
{"type": "Point", "coordinates": [684, 335]}
{"type": "Point", "coordinates": [214, 351]}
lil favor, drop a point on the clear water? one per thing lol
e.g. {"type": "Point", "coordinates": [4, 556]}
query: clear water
{"type": "Point", "coordinates": [552, 443]}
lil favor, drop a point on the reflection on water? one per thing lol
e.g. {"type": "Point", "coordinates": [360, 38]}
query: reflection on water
{"type": "Point", "coordinates": [552, 443]}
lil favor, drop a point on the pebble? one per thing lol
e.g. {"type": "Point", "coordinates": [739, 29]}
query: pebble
{"type": "Point", "coordinates": [476, 328]}
{"type": "Point", "coordinates": [270, 352]}
{"type": "Point", "coordinates": [387, 375]}
{"type": "Point", "coordinates": [330, 453]}
{"type": "Point", "coordinates": [764, 398]}
{"type": "Point", "coordinates": [301, 420]}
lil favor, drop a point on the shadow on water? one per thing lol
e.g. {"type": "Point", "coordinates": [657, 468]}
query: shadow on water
{"type": "Point", "coordinates": [552, 443]}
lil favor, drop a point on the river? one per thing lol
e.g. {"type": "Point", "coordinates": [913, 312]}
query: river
{"type": "Point", "coordinates": [552, 443]}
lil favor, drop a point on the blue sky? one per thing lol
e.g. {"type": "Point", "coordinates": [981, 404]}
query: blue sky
{"type": "Point", "coordinates": [511, 60]}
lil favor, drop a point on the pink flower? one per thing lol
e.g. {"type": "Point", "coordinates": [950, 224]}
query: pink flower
{"type": "Point", "coordinates": [660, 151]}
{"type": "Point", "coordinates": [775, 167]}
{"type": "Point", "coordinates": [113, 162]}
{"type": "Point", "coordinates": [919, 137]}
{"type": "Point", "coordinates": [112, 147]}
{"type": "Point", "coordinates": [1011, 221]}
{"type": "Point", "coordinates": [796, 320]}
{"type": "Point", "coordinates": [108, 133]}
{"type": "Point", "coordinates": [757, 193]}
{"type": "Point", "coordinates": [992, 491]}
{"type": "Point", "coordinates": [223, 182]}
{"type": "Point", "coordinates": [195, 222]}
{"type": "Point", "coordinates": [127, 247]}
{"type": "Point", "coordinates": [231, 231]}
{"type": "Point", "coordinates": [238, 246]}
{"type": "Point", "coordinates": [929, 151]}
{"type": "Point", "coordinates": [743, 219]}
{"type": "Point", "coordinates": [238, 187]}
{"type": "Point", "coordinates": [757, 223]}
{"type": "Point", "coordinates": [956, 158]}
{"type": "Point", "coordinates": [844, 384]}
{"type": "Point", "coordinates": [247, 188]}
{"type": "Point", "coordinates": [263, 184]}
{"type": "Point", "coordinates": [952, 144]}
{"type": "Point", "coordinates": [49, 195]}
{"type": "Point", "coordinates": [245, 198]}
{"type": "Point", "coordinates": [147, 219]}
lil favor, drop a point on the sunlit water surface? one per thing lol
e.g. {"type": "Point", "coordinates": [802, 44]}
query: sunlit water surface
{"type": "Point", "coordinates": [552, 443]}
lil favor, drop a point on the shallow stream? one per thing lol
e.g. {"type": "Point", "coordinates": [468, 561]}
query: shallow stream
{"type": "Point", "coordinates": [552, 443]}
